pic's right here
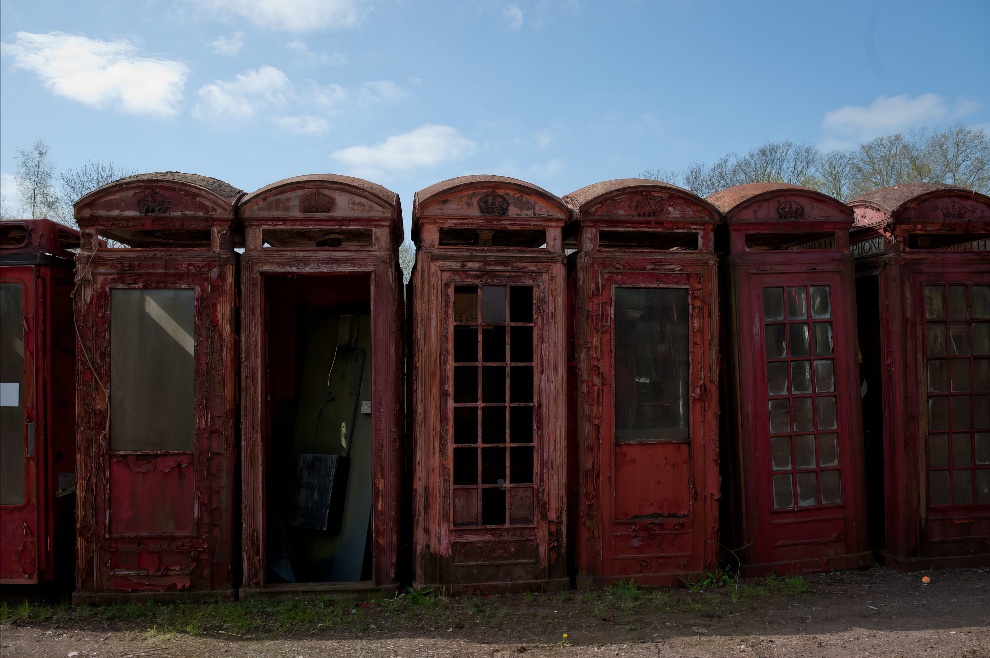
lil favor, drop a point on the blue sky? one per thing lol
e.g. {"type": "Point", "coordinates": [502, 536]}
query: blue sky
{"type": "Point", "coordinates": [561, 93]}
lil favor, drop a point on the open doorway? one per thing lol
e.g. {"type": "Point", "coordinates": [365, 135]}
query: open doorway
{"type": "Point", "coordinates": [318, 427]}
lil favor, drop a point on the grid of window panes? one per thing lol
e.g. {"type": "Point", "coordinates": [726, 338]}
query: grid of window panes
{"type": "Point", "coordinates": [493, 405]}
{"type": "Point", "coordinates": [957, 350]}
{"type": "Point", "coordinates": [800, 369]}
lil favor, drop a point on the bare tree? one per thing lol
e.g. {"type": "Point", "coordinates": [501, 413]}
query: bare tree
{"type": "Point", "coordinates": [77, 182]}
{"type": "Point", "coordinates": [662, 175]}
{"type": "Point", "coordinates": [407, 258]}
{"type": "Point", "coordinates": [35, 181]}
{"type": "Point", "coordinates": [960, 156]}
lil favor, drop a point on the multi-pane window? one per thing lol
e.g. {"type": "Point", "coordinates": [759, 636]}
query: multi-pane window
{"type": "Point", "coordinates": [957, 350]}
{"type": "Point", "coordinates": [12, 394]}
{"type": "Point", "coordinates": [652, 364]}
{"type": "Point", "coordinates": [800, 370]}
{"type": "Point", "coordinates": [493, 405]}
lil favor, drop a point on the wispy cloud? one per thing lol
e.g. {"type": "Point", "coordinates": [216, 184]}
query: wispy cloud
{"type": "Point", "coordinates": [381, 91]}
{"type": "Point", "coordinates": [295, 15]}
{"type": "Point", "coordinates": [542, 139]}
{"type": "Point", "coordinates": [514, 15]}
{"type": "Point", "coordinates": [229, 46]}
{"type": "Point", "coordinates": [304, 125]}
{"type": "Point", "coordinates": [426, 146]}
{"type": "Point", "coordinates": [101, 74]}
{"type": "Point", "coordinates": [247, 94]}
{"type": "Point", "coordinates": [854, 124]}
{"type": "Point", "coordinates": [329, 59]}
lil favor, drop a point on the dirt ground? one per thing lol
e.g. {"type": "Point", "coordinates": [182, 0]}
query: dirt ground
{"type": "Point", "coordinates": [855, 613]}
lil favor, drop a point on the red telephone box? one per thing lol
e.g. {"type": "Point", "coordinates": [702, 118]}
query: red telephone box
{"type": "Point", "coordinates": [157, 388]}
{"type": "Point", "coordinates": [321, 409]}
{"type": "Point", "coordinates": [795, 464]}
{"type": "Point", "coordinates": [487, 386]}
{"type": "Point", "coordinates": [646, 343]}
{"type": "Point", "coordinates": [37, 394]}
{"type": "Point", "coordinates": [923, 279]}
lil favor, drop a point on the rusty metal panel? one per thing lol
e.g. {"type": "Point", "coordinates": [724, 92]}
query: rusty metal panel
{"type": "Point", "coordinates": [798, 443]}
{"type": "Point", "coordinates": [921, 264]}
{"type": "Point", "coordinates": [487, 386]}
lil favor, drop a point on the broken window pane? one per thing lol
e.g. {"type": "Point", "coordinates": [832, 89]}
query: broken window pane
{"type": "Point", "coordinates": [773, 303]}
{"type": "Point", "coordinates": [821, 305]}
{"type": "Point", "coordinates": [797, 303]}
{"type": "Point", "coordinates": [831, 488]}
{"type": "Point", "coordinates": [959, 340]}
{"type": "Point", "coordinates": [783, 492]}
{"type": "Point", "coordinates": [938, 488]}
{"type": "Point", "coordinates": [12, 381]}
{"type": "Point", "coordinates": [807, 489]}
{"type": "Point", "coordinates": [780, 452]}
{"type": "Point", "coordinates": [938, 450]}
{"type": "Point", "coordinates": [152, 369]}
{"type": "Point", "coordinates": [935, 302]}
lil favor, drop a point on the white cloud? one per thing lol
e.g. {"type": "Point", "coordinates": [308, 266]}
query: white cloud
{"type": "Point", "coordinates": [330, 97]}
{"type": "Point", "coordinates": [381, 91]}
{"type": "Point", "coordinates": [330, 59]}
{"type": "Point", "coordinates": [228, 46]}
{"type": "Point", "coordinates": [889, 114]}
{"type": "Point", "coordinates": [427, 146]}
{"type": "Point", "coordinates": [542, 139]}
{"type": "Point", "coordinates": [101, 73]}
{"type": "Point", "coordinates": [296, 15]}
{"type": "Point", "coordinates": [303, 125]}
{"type": "Point", "coordinates": [514, 15]}
{"type": "Point", "coordinates": [247, 94]}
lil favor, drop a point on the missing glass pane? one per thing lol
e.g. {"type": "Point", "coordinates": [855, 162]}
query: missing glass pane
{"type": "Point", "coordinates": [981, 339]}
{"type": "Point", "coordinates": [465, 425]}
{"type": "Point", "coordinates": [938, 450]}
{"type": "Point", "coordinates": [493, 425]}
{"type": "Point", "coordinates": [983, 447]}
{"type": "Point", "coordinates": [465, 383]}
{"type": "Point", "coordinates": [521, 344]}
{"type": "Point", "coordinates": [493, 506]}
{"type": "Point", "coordinates": [465, 344]}
{"type": "Point", "coordinates": [465, 466]}
{"type": "Point", "coordinates": [961, 412]}
{"type": "Point", "coordinates": [521, 465]}
{"type": "Point", "coordinates": [521, 304]}
{"type": "Point", "coordinates": [981, 375]}
{"type": "Point", "coordinates": [959, 340]}
{"type": "Point", "coordinates": [493, 384]}
{"type": "Point", "coordinates": [521, 424]}
{"type": "Point", "coordinates": [959, 375]}
{"type": "Point", "coordinates": [493, 344]}
{"type": "Point", "coordinates": [493, 465]}
{"type": "Point", "coordinates": [521, 384]}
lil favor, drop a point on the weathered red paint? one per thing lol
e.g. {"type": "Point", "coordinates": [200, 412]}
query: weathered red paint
{"type": "Point", "coordinates": [646, 509]}
{"type": "Point", "coordinates": [494, 246]}
{"type": "Point", "coordinates": [334, 230]}
{"type": "Point", "coordinates": [36, 534]}
{"type": "Point", "coordinates": [792, 242]}
{"type": "Point", "coordinates": [911, 240]}
{"type": "Point", "coordinates": [153, 522]}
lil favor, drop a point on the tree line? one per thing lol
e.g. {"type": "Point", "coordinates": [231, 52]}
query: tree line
{"type": "Point", "coordinates": [956, 155]}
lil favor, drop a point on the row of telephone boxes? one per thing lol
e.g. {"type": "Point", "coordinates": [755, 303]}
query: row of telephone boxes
{"type": "Point", "coordinates": [604, 386]}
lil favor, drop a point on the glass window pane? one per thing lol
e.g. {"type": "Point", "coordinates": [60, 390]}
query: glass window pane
{"type": "Point", "coordinates": [493, 425]}
{"type": "Point", "coordinates": [807, 489]}
{"type": "Point", "coordinates": [981, 301]}
{"type": "Point", "coordinates": [983, 447]}
{"type": "Point", "coordinates": [959, 340]}
{"type": "Point", "coordinates": [961, 413]}
{"type": "Point", "coordinates": [936, 339]}
{"type": "Point", "coordinates": [652, 364]}
{"type": "Point", "coordinates": [465, 344]}
{"type": "Point", "coordinates": [828, 449]}
{"type": "Point", "coordinates": [521, 341]}
{"type": "Point", "coordinates": [521, 304]}
{"type": "Point", "coordinates": [493, 344]}
{"type": "Point", "coordinates": [798, 339]}
{"type": "Point", "coordinates": [152, 369]}
{"type": "Point", "coordinates": [777, 378]}
{"type": "Point", "coordinates": [981, 411]}
{"type": "Point", "coordinates": [466, 304]}
{"type": "Point", "coordinates": [521, 384]}
{"type": "Point", "coordinates": [783, 492]}
{"type": "Point", "coordinates": [938, 377]}
{"type": "Point", "coordinates": [521, 465]}
{"type": "Point", "coordinates": [780, 452]}
{"type": "Point", "coordinates": [776, 337]}
{"type": "Point", "coordinates": [780, 416]}
{"type": "Point", "coordinates": [773, 303]}
{"type": "Point", "coordinates": [521, 506]}
{"type": "Point", "coordinates": [12, 418]}
{"type": "Point", "coordinates": [493, 506]}
{"type": "Point", "coordinates": [797, 303]}
{"type": "Point", "coordinates": [493, 465]}
{"type": "Point", "coordinates": [983, 486]}
{"type": "Point", "coordinates": [962, 487]}
{"type": "Point", "coordinates": [804, 451]}
{"type": "Point", "coordinates": [981, 375]}
{"type": "Point", "coordinates": [959, 375]}
{"type": "Point", "coordinates": [938, 488]}
{"type": "Point", "coordinates": [981, 339]}
{"type": "Point", "coordinates": [824, 376]}
{"type": "Point", "coordinates": [958, 303]}
{"type": "Point", "coordinates": [821, 304]}
{"type": "Point", "coordinates": [493, 304]}
{"type": "Point", "coordinates": [492, 384]}
{"type": "Point", "coordinates": [938, 414]}
{"type": "Point", "coordinates": [935, 302]}
{"type": "Point", "coordinates": [465, 424]}
{"type": "Point", "coordinates": [962, 451]}
{"type": "Point", "coordinates": [938, 450]}
{"type": "Point", "coordinates": [803, 421]}
{"type": "Point", "coordinates": [831, 488]}
{"type": "Point", "coordinates": [826, 413]}
{"type": "Point", "coordinates": [465, 466]}
{"type": "Point", "coordinates": [823, 339]}
{"type": "Point", "coordinates": [521, 424]}
{"type": "Point", "coordinates": [801, 377]}
{"type": "Point", "coordinates": [465, 383]}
